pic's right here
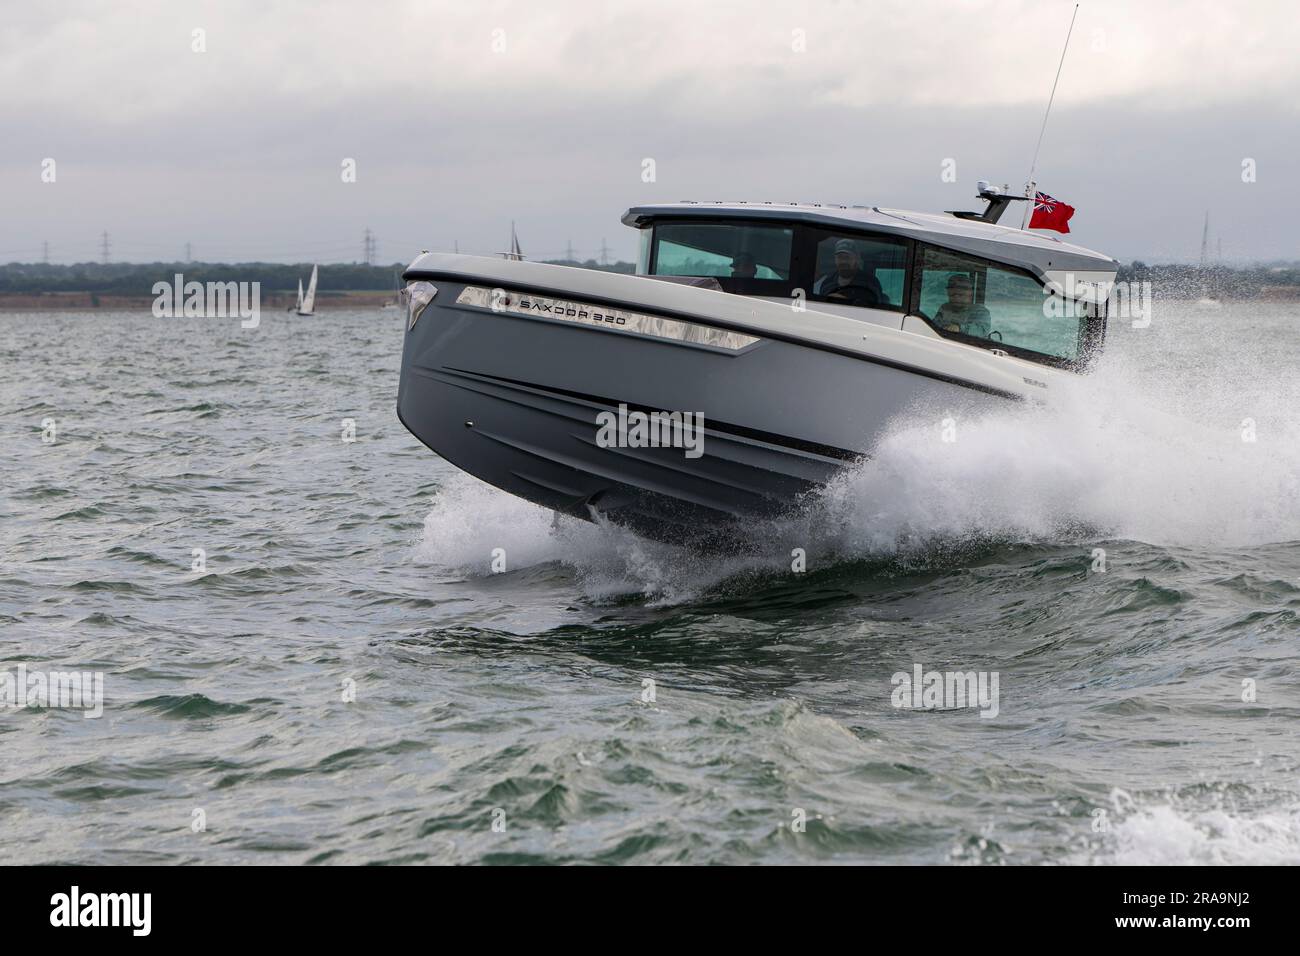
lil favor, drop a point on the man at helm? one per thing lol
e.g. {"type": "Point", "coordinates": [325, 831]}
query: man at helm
{"type": "Point", "coordinates": [848, 282]}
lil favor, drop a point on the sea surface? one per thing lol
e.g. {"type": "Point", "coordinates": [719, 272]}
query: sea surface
{"type": "Point", "coordinates": [339, 677]}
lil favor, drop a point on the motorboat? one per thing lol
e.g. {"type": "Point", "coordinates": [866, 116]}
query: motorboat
{"type": "Point", "coordinates": [758, 350]}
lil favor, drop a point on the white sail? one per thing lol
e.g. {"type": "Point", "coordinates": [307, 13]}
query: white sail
{"type": "Point", "coordinates": [1209, 299]}
{"type": "Point", "coordinates": [309, 300]}
{"type": "Point", "coordinates": [515, 252]}
{"type": "Point", "coordinates": [298, 305]}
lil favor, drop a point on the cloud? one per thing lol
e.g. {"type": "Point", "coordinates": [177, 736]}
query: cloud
{"type": "Point", "coordinates": [464, 116]}
{"type": "Point", "coordinates": [134, 60]}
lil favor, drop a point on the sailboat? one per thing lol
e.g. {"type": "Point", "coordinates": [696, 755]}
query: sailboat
{"type": "Point", "coordinates": [516, 254]}
{"type": "Point", "coordinates": [396, 301]}
{"type": "Point", "coordinates": [1209, 299]}
{"type": "Point", "coordinates": [307, 303]}
{"type": "Point", "coordinates": [297, 305]}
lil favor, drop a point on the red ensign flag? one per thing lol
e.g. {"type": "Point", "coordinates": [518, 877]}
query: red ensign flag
{"type": "Point", "coordinates": [1050, 213]}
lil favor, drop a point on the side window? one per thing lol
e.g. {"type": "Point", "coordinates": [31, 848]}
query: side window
{"type": "Point", "coordinates": [1004, 306]}
{"type": "Point", "coordinates": [738, 251]}
{"type": "Point", "coordinates": [860, 270]}
{"type": "Point", "coordinates": [643, 252]}
{"type": "Point", "coordinates": [674, 259]}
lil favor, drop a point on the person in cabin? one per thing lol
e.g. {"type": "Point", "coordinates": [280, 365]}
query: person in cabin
{"type": "Point", "coordinates": [960, 313]}
{"type": "Point", "coordinates": [743, 266]}
{"type": "Point", "coordinates": [847, 281]}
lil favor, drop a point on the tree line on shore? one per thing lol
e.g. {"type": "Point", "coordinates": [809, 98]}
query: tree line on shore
{"type": "Point", "coordinates": [138, 278]}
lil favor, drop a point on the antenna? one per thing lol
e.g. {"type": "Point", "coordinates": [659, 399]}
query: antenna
{"type": "Point", "coordinates": [604, 253]}
{"type": "Point", "coordinates": [1029, 184]}
{"type": "Point", "coordinates": [568, 251]}
{"type": "Point", "coordinates": [104, 246]}
{"type": "Point", "coordinates": [368, 248]}
{"type": "Point", "coordinates": [188, 257]}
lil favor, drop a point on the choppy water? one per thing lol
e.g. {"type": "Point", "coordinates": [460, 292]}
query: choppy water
{"type": "Point", "coordinates": [1121, 734]}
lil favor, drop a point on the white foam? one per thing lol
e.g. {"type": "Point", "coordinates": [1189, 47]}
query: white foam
{"type": "Point", "coordinates": [470, 519]}
{"type": "Point", "coordinates": [1173, 832]}
{"type": "Point", "coordinates": [1104, 459]}
{"type": "Point", "coordinates": [1122, 453]}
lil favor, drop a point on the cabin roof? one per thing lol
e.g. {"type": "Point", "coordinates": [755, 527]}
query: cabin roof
{"type": "Point", "coordinates": [1040, 253]}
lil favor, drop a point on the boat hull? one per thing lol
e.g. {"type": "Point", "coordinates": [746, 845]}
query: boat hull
{"type": "Point", "coordinates": [516, 398]}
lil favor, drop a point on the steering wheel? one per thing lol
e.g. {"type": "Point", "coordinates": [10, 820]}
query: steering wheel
{"type": "Point", "coordinates": [855, 293]}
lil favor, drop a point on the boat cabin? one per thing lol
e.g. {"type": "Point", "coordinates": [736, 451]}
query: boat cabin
{"type": "Point", "coordinates": [975, 282]}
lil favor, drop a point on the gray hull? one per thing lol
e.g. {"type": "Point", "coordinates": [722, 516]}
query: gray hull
{"type": "Point", "coordinates": [513, 399]}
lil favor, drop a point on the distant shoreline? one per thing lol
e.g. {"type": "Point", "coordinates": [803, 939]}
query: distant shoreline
{"type": "Point", "coordinates": [108, 302]}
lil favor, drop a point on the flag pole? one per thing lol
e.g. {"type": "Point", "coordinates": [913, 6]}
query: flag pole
{"type": "Point", "coordinates": [1029, 183]}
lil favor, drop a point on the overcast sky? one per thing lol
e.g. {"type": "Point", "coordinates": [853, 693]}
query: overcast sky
{"type": "Point", "coordinates": [463, 116]}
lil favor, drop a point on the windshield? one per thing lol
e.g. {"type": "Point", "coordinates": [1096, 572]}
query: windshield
{"type": "Point", "coordinates": [997, 304]}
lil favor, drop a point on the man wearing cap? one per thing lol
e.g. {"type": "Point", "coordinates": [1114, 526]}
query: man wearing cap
{"type": "Point", "coordinates": [960, 313]}
{"type": "Point", "coordinates": [849, 282]}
